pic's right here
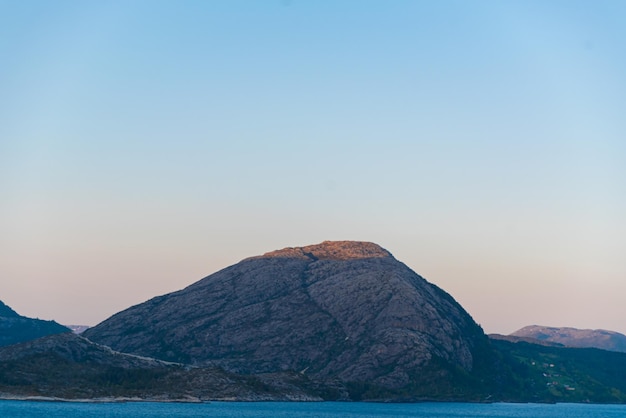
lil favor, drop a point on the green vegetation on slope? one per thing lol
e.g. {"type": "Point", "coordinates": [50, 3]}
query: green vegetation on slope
{"type": "Point", "coordinates": [559, 374]}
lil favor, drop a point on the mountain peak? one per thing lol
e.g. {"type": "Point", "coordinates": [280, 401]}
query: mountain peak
{"type": "Point", "coordinates": [332, 250]}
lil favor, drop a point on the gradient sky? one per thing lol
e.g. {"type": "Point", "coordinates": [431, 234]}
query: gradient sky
{"type": "Point", "coordinates": [147, 144]}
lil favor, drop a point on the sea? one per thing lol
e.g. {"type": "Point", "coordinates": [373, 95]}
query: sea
{"type": "Point", "coordinates": [22, 409]}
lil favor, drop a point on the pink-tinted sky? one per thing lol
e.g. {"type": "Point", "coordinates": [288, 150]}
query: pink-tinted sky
{"type": "Point", "coordinates": [147, 144]}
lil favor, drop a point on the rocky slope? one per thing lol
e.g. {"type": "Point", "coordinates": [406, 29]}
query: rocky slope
{"type": "Point", "coordinates": [68, 366]}
{"type": "Point", "coordinates": [572, 337]}
{"type": "Point", "coordinates": [346, 311]}
{"type": "Point", "coordinates": [15, 328]}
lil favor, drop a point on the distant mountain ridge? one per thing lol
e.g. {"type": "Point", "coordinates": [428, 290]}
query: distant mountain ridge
{"type": "Point", "coordinates": [516, 339]}
{"type": "Point", "coordinates": [574, 337]}
{"type": "Point", "coordinates": [78, 329]}
{"type": "Point", "coordinates": [15, 328]}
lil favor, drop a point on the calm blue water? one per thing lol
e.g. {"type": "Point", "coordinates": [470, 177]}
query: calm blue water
{"type": "Point", "coordinates": [18, 409]}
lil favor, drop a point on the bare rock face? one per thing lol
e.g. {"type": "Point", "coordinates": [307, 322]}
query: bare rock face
{"type": "Point", "coordinates": [332, 250]}
{"type": "Point", "coordinates": [336, 310]}
{"type": "Point", "coordinates": [573, 337]}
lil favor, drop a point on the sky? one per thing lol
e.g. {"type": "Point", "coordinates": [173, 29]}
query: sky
{"type": "Point", "coordinates": [147, 144]}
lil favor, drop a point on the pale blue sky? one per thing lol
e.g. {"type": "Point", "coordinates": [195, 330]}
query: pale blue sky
{"type": "Point", "coordinates": [147, 144]}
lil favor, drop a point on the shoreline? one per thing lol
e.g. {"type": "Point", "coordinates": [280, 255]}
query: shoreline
{"type": "Point", "coordinates": [195, 400]}
{"type": "Point", "coordinates": [117, 399]}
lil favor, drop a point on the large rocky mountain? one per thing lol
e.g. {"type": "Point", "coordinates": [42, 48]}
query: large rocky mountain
{"type": "Point", "coordinates": [573, 337]}
{"type": "Point", "coordinates": [334, 321]}
{"type": "Point", "coordinates": [337, 310]}
{"type": "Point", "coordinates": [15, 328]}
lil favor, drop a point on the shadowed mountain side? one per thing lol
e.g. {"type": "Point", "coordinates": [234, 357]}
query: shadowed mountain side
{"type": "Point", "coordinates": [6, 312]}
{"type": "Point", "coordinates": [345, 310]}
{"type": "Point", "coordinates": [15, 328]}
